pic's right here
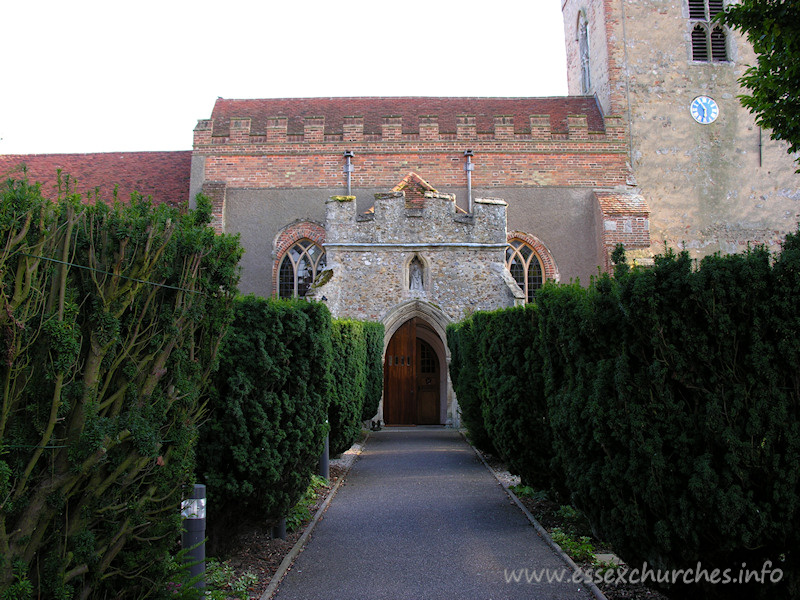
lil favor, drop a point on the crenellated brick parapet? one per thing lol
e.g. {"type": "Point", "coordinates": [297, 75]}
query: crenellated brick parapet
{"type": "Point", "coordinates": [505, 157]}
{"type": "Point", "coordinates": [536, 131]}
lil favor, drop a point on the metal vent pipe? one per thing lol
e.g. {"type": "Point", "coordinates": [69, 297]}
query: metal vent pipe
{"type": "Point", "coordinates": [469, 167]}
{"type": "Point", "coordinates": [348, 169]}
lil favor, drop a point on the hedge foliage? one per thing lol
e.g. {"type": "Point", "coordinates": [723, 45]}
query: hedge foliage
{"type": "Point", "coordinates": [465, 378]}
{"type": "Point", "coordinates": [673, 402]}
{"type": "Point", "coordinates": [373, 390]}
{"type": "Point", "coordinates": [266, 417]}
{"type": "Point", "coordinates": [110, 319]}
{"type": "Point", "coordinates": [349, 369]}
{"type": "Point", "coordinates": [511, 391]}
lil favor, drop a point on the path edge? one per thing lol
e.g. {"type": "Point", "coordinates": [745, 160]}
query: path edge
{"type": "Point", "coordinates": [272, 588]}
{"type": "Point", "coordinates": [590, 585]}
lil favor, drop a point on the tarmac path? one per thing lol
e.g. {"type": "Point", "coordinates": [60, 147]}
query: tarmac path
{"type": "Point", "coordinates": [419, 517]}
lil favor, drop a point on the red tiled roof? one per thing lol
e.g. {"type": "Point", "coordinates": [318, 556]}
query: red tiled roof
{"type": "Point", "coordinates": [162, 175]}
{"type": "Point", "coordinates": [334, 110]}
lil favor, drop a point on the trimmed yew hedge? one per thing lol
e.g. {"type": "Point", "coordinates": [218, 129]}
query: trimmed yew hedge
{"type": "Point", "coordinates": [465, 378]}
{"type": "Point", "coordinates": [511, 391]}
{"type": "Point", "coordinates": [673, 404]}
{"type": "Point", "coordinates": [349, 369]}
{"type": "Point", "coordinates": [373, 390]}
{"type": "Point", "coordinates": [267, 416]}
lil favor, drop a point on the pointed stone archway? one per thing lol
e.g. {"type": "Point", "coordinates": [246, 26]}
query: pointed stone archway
{"type": "Point", "coordinates": [417, 389]}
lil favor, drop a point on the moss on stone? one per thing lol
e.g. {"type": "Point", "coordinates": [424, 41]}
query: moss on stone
{"type": "Point", "coordinates": [322, 278]}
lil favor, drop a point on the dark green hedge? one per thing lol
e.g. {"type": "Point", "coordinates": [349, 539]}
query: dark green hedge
{"type": "Point", "coordinates": [465, 378]}
{"type": "Point", "coordinates": [511, 391]}
{"type": "Point", "coordinates": [349, 368]}
{"type": "Point", "coordinates": [373, 337]}
{"type": "Point", "coordinates": [676, 412]}
{"type": "Point", "coordinates": [267, 418]}
{"type": "Point", "coordinates": [672, 400]}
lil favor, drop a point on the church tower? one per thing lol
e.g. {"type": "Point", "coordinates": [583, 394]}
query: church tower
{"type": "Point", "coordinates": [713, 179]}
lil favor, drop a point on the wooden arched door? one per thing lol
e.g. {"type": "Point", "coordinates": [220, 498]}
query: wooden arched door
{"type": "Point", "coordinates": [399, 374]}
{"type": "Point", "coordinates": [411, 372]}
{"type": "Point", "coordinates": [428, 384]}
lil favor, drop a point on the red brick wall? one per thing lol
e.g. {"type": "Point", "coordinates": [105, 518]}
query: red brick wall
{"type": "Point", "coordinates": [579, 157]}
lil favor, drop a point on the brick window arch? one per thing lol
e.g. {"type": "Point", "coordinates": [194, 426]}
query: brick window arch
{"type": "Point", "coordinates": [300, 257]}
{"type": "Point", "coordinates": [709, 41]}
{"type": "Point", "coordinates": [529, 262]}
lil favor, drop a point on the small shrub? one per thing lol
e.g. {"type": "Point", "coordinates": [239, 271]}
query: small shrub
{"type": "Point", "coordinates": [301, 512]}
{"type": "Point", "coordinates": [526, 491]}
{"type": "Point", "coordinates": [462, 343]}
{"type": "Point", "coordinates": [580, 550]}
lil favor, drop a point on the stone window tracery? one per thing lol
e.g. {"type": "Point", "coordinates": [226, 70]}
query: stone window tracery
{"type": "Point", "coordinates": [709, 41]}
{"type": "Point", "coordinates": [525, 266]}
{"type": "Point", "coordinates": [299, 267]}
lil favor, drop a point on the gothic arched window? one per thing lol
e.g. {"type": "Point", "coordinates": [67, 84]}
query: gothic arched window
{"type": "Point", "coordinates": [709, 42]}
{"type": "Point", "coordinates": [299, 268]}
{"type": "Point", "coordinates": [525, 267]}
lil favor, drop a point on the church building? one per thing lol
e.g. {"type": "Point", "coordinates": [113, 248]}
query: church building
{"type": "Point", "coordinates": [416, 212]}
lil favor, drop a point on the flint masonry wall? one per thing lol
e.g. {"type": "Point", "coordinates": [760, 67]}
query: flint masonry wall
{"type": "Point", "coordinates": [369, 256]}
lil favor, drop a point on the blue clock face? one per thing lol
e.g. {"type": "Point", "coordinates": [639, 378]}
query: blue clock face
{"type": "Point", "coordinates": [704, 110]}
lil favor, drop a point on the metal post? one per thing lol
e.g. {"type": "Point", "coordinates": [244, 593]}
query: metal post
{"type": "Point", "coordinates": [279, 529]}
{"type": "Point", "coordinates": [324, 459]}
{"type": "Point", "coordinates": [348, 169]}
{"type": "Point", "coordinates": [193, 512]}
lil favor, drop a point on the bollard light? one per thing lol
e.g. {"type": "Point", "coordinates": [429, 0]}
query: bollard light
{"type": "Point", "coordinates": [193, 512]}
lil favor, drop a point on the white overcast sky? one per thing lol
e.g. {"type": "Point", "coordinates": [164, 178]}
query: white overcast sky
{"type": "Point", "coordinates": [113, 75]}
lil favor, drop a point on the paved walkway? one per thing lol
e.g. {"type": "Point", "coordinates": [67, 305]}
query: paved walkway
{"type": "Point", "coordinates": [420, 518]}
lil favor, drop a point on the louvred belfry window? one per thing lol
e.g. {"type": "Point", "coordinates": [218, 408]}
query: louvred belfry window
{"type": "Point", "coordinates": [709, 41]}
{"type": "Point", "coordinates": [299, 267]}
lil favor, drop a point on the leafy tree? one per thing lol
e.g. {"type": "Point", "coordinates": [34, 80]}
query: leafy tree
{"type": "Point", "coordinates": [110, 320]}
{"type": "Point", "coordinates": [773, 29]}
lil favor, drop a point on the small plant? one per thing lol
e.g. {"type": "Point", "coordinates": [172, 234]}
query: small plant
{"type": "Point", "coordinates": [603, 566]}
{"type": "Point", "coordinates": [301, 512]}
{"type": "Point", "coordinates": [580, 550]}
{"type": "Point", "coordinates": [526, 491]}
{"type": "Point", "coordinates": [22, 588]}
{"type": "Point", "coordinates": [575, 518]}
{"type": "Point", "coordinates": [221, 582]}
